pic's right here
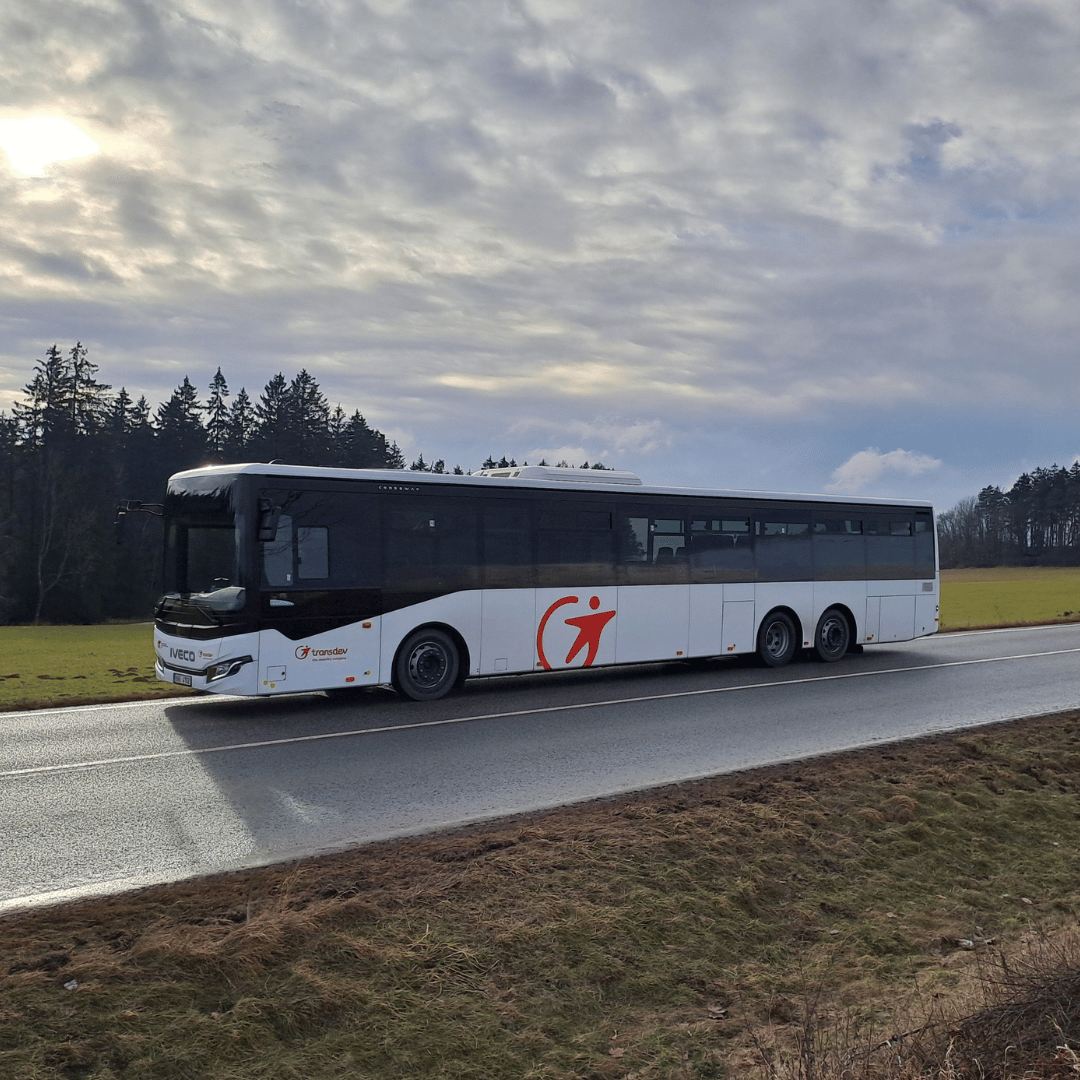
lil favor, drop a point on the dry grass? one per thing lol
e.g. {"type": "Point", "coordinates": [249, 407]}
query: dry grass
{"type": "Point", "coordinates": [836, 918]}
{"type": "Point", "coordinates": [1013, 1014]}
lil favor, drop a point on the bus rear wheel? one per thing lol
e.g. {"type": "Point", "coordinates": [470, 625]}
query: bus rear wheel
{"type": "Point", "coordinates": [427, 665]}
{"type": "Point", "coordinates": [776, 639]}
{"type": "Point", "coordinates": [833, 636]}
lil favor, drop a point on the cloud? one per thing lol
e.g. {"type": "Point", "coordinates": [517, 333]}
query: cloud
{"type": "Point", "coordinates": [725, 230]}
{"type": "Point", "coordinates": [599, 438]}
{"type": "Point", "coordinates": [868, 466]}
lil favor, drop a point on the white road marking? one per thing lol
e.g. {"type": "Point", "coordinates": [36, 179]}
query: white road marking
{"type": "Point", "coordinates": [163, 755]}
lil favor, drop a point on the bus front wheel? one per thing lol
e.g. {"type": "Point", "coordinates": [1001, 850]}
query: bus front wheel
{"type": "Point", "coordinates": [776, 639]}
{"type": "Point", "coordinates": [426, 666]}
{"type": "Point", "coordinates": [833, 636]}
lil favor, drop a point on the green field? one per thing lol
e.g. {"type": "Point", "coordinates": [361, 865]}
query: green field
{"type": "Point", "coordinates": [43, 666]}
{"type": "Point", "coordinates": [1009, 595]}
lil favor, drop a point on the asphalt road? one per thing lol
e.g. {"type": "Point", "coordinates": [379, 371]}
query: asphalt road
{"type": "Point", "coordinates": [102, 798]}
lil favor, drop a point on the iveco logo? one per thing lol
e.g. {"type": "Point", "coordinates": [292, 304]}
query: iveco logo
{"type": "Point", "coordinates": [182, 654]}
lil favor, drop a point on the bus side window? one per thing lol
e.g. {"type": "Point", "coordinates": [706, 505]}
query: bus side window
{"type": "Point", "coordinates": [431, 545]}
{"type": "Point", "coordinates": [924, 545]}
{"type": "Point", "coordinates": [278, 555]}
{"type": "Point", "coordinates": [782, 547]}
{"type": "Point", "coordinates": [890, 547]}
{"type": "Point", "coordinates": [308, 521]}
{"type": "Point", "coordinates": [576, 546]}
{"type": "Point", "coordinates": [667, 548]}
{"type": "Point", "coordinates": [839, 550]}
{"type": "Point", "coordinates": [312, 552]}
{"type": "Point", "coordinates": [508, 547]}
{"type": "Point", "coordinates": [652, 549]}
{"type": "Point", "coordinates": [719, 547]}
{"type": "Point", "coordinates": [633, 542]}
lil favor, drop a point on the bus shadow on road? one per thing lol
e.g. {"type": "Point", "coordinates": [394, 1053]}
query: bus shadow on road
{"type": "Point", "coordinates": [293, 775]}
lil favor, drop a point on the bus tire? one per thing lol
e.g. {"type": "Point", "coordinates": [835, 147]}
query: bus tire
{"type": "Point", "coordinates": [832, 637]}
{"type": "Point", "coordinates": [776, 639]}
{"type": "Point", "coordinates": [426, 666]}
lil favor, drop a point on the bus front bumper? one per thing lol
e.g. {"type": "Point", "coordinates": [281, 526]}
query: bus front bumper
{"type": "Point", "coordinates": [182, 662]}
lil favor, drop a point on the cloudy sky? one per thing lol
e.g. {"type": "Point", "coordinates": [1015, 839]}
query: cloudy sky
{"type": "Point", "coordinates": [798, 245]}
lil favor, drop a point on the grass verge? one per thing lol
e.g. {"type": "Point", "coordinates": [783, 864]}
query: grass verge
{"type": "Point", "coordinates": [812, 920]}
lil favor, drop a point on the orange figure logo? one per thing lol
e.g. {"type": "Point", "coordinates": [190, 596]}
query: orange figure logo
{"type": "Point", "coordinates": [589, 628]}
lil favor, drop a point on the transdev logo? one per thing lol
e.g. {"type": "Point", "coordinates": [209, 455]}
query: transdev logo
{"type": "Point", "coordinates": [306, 652]}
{"type": "Point", "coordinates": [589, 630]}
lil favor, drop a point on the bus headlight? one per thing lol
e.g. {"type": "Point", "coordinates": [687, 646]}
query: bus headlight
{"type": "Point", "coordinates": [225, 669]}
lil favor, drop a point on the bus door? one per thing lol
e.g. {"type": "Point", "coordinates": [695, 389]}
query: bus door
{"type": "Point", "coordinates": [508, 569]}
{"type": "Point", "coordinates": [319, 602]}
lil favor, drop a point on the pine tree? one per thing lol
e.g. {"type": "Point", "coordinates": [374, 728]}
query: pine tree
{"type": "Point", "coordinates": [120, 416]}
{"type": "Point", "coordinates": [362, 447]}
{"type": "Point", "coordinates": [181, 436]}
{"type": "Point", "coordinates": [308, 416]}
{"type": "Point", "coordinates": [272, 420]}
{"type": "Point", "coordinates": [240, 428]}
{"type": "Point", "coordinates": [146, 474]}
{"type": "Point", "coordinates": [63, 445]}
{"type": "Point", "coordinates": [337, 431]}
{"type": "Point", "coordinates": [45, 413]}
{"type": "Point", "coordinates": [395, 459]}
{"type": "Point", "coordinates": [217, 417]}
{"type": "Point", "coordinates": [89, 402]}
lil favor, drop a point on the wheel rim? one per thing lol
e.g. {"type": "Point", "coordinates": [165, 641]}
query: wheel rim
{"type": "Point", "coordinates": [776, 639]}
{"type": "Point", "coordinates": [428, 664]}
{"type": "Point", "coordinates": [833, 634]}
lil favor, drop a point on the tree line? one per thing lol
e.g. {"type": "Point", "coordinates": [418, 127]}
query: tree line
{"type": "Point", "coordinates": [1034, 522]}
{"type": "Point", "coordinates": [72, 447]}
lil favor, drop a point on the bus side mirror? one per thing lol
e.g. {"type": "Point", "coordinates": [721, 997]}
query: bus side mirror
{"type": "Point", "coordinates": [119, 523]}
{"type": "Point", "coordinates": [269, 516]}
{"type": "Point", "coordinates": [132, 506]}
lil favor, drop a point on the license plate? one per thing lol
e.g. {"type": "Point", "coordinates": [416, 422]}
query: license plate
{"type": "Point", "coordinates": [183, 680]}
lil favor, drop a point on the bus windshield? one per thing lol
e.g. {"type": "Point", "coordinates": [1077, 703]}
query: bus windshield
{"type": "Point", "coordinates": [201, 549]}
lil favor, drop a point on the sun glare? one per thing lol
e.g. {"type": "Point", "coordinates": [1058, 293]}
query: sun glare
{"type": "Point", "coordinates": [32, 142]}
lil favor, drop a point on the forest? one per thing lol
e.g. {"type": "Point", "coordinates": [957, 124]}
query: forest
{"type": "Point", "coordinates": [1035, 522]}
{"type": "Point", "coordinates": [72, 448]}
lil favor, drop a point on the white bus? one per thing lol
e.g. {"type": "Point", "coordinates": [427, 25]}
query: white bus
{"type": "Point", "coordinates": [284, 578]}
